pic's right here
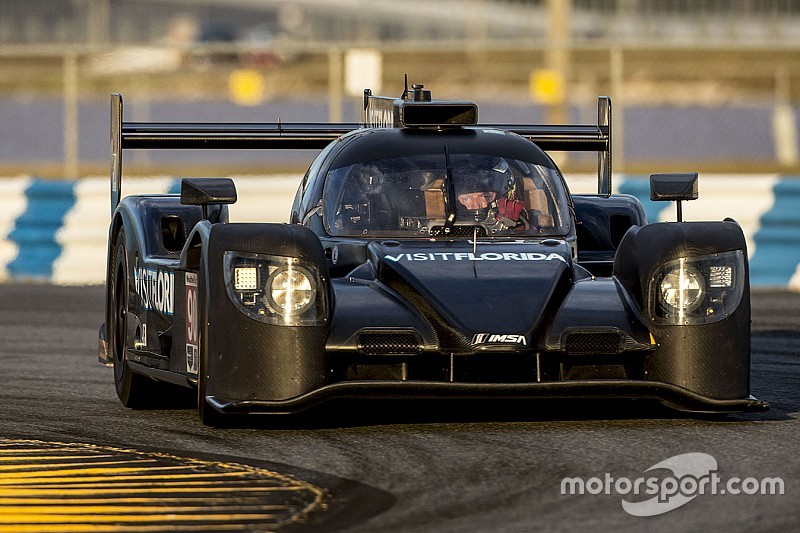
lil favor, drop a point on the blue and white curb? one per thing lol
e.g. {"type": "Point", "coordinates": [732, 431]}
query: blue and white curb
{"type": "Point", "coordinates": [56, 231]}
{"type": "Point", "coordinates": [12, 192]}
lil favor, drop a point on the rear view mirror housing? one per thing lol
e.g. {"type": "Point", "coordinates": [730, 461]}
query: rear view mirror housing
{"type": "Point", "coordinates": [674, 187]}
{"type": "Point", "coordinates": [207, 191]}
{"type": "Point", "coordinates": [677, 187]}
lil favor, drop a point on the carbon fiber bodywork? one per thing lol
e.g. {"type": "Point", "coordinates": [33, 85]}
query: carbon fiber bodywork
{"type": "Point", "coordinates": [248, 359]}
{"type": "Point", "coordinates": [671, 396]}
{"type": "Point", "coordinates": [586, 310]}
{"type": "Point", "coordinates": [684, 353]}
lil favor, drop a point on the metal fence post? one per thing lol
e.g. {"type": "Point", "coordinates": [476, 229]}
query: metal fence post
{"type": "Point", "coordinates": [558, 53]}
{"type": "Point", "coordinates": [71, 146]}
{"type": "Point", "coordinates": [618, 97]}
{"type": "Point", "coordinates": [335, 81]}
{"type": "Point", "coordinates": [784, 124]}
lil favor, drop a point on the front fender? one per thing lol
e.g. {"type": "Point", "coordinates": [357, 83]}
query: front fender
{"type": "Point", "coordinates": [712, 358]}
{"type": "Point", "coordinates": [247, 359]}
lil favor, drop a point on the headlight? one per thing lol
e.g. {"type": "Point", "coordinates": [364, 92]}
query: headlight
{"type": "Point", "coordinates": [682, 288]}
{"type": "Point", "coordinates": [275, 289]}
{"type": "Point", "coordinates": [697, 290]}
{"type": "Point", "coordinates": [290, 290]}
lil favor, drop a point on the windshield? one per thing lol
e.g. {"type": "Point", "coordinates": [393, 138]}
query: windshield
{"type": "Point", "coordinates": [406, 197]}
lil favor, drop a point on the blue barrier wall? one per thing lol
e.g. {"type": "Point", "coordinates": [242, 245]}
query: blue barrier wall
{"type": "Point", "coordinates": [778, 238]}
{"type": "Point", "coordinates": [35, 230]}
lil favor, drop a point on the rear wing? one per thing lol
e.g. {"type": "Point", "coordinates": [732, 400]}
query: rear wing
{"type": "Point", "coordinates": [296, 136]}
{"type": "Point", "coordinates": [199, 135]}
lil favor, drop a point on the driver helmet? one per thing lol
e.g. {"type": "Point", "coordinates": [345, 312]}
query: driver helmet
{"type": "Point", "coordinates": [478, 188]}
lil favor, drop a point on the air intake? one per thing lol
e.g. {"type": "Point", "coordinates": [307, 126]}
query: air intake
{"type": "Point", "coordinates": [593, 343]}
{"type": "Point", "coordinates": [388, 344]}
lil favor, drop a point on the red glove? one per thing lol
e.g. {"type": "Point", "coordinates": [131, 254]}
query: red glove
{"type": "Point", "coordinates": [510, 209]}
{"type": "Point", "coordinates": [512, 214]}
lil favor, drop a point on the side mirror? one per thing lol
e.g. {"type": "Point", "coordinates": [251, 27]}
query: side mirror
{"type": "Point", "coordinates": [206, 191]}
{"type": "Point", "coordinates": [674, 187]}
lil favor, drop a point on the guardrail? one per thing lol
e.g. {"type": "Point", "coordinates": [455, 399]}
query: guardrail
{"type": "Point", "coordinates": [56, 231]}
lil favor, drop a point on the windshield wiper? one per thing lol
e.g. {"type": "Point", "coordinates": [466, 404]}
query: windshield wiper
{"type": "Point", "coordinates": [449, 194]}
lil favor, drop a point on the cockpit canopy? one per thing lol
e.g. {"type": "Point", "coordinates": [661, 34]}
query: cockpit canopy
{"type": "Point", "coordinates": [408, 196]}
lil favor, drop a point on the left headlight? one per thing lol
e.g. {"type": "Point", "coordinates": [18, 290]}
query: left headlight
{"type": "Point", "coordinates": [276, 289]}
{"type": "Point", "coordinates": [682, 288]}
{"type": "Point", "coordinates": [697, 290]}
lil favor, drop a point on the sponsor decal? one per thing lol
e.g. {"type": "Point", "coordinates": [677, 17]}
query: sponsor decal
{"type": "Point", "coordinates": [497, 338]}
{"type": "Point", "coordinates": [469, 256]}
{"type": "Point", "coordinates": [156, 289]}
{"type": "Point", "coordinates": [380, 118]}
{"type": "Point", "coordinates": [192, 331]}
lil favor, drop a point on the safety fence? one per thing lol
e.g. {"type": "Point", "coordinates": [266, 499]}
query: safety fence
{"type": "Point", "coordinates": [57, 231]}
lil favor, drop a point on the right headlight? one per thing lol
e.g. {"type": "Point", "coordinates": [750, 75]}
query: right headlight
{"type": "Point", "coordinates": [697, 290]}
{"type": "Point", "coordinates": [275, 289]}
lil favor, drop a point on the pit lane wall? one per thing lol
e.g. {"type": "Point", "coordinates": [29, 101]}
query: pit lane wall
{"type": "Point", "coordinates": [56, 231]}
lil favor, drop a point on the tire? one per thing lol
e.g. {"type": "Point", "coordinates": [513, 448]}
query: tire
{"type": "Point", "coordinates": [134, 390]}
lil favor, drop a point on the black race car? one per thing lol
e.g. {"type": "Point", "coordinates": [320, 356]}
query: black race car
{"type": "Point", "coordinates": [427, 256]}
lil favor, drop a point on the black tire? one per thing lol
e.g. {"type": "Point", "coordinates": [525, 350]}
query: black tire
{"type": "Point", "coordinates": [208, 415]}
{"type": "Point", "coordinates": [134, 390]}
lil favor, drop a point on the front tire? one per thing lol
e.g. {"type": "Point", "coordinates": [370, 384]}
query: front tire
{"type": "Point", "coordinates": [133, 389]}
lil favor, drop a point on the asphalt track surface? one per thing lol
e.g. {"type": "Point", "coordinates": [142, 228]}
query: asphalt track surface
{"type": "Point", "coordinates": [71, 457]}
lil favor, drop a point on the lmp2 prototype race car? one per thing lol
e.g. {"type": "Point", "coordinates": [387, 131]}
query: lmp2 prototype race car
{"type": "Point", "coordinates": [426, 257]}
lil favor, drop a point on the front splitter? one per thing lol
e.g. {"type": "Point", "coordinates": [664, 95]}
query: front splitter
{"type": "Point", "coordinates": [669, 395]}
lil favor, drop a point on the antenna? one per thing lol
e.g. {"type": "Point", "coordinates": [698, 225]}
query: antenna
{"type": "Point", "coordinates": [405, 90]}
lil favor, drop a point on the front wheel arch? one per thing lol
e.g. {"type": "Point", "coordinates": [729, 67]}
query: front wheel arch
{"type": "Point", "coordinates": [249, 359]}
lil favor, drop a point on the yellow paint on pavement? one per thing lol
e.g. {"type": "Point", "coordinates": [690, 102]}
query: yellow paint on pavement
{"type": "Point", "coordinates": [72, 488]}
